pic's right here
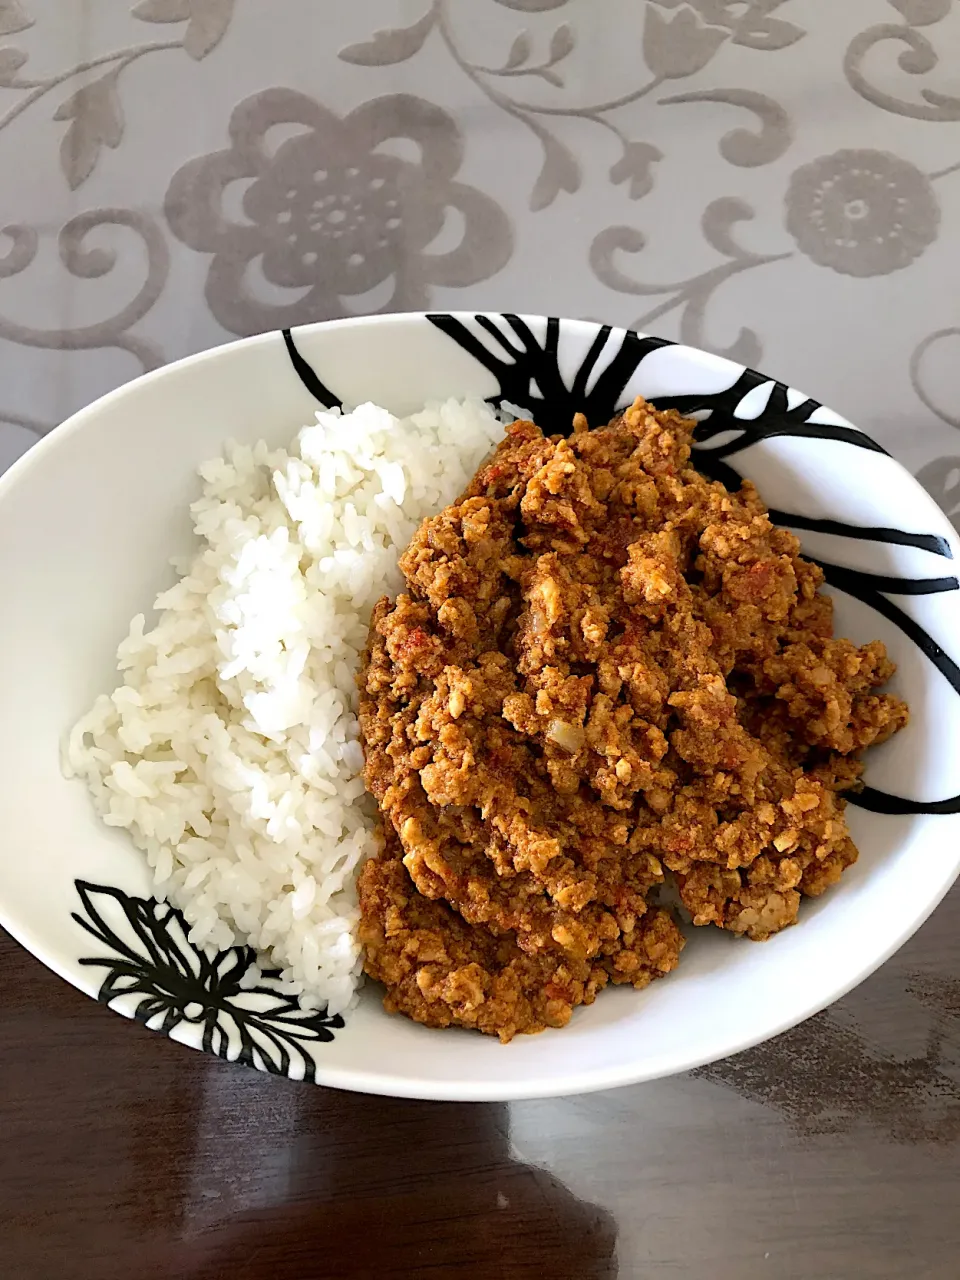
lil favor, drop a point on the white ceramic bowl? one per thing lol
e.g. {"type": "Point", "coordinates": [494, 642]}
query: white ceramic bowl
{"type": "Point", "coordinates": [90, 518]}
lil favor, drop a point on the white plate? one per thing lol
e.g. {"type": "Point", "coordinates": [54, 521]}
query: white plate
{"type": "Point", "coordinates": [90, 518]}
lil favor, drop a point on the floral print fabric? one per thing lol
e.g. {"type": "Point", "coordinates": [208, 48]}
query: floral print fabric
{"type": "Point", "coordinates": [762, 178]}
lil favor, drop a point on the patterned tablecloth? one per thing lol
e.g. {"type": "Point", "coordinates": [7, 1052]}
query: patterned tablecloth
{"type": "Point", "coordinates": [777, 180]}
{"type": "Point", "coordinates": [770, 179]}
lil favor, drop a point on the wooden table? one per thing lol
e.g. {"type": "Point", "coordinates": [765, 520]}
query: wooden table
{"type": "Point", "coordinates": [830, 1153]}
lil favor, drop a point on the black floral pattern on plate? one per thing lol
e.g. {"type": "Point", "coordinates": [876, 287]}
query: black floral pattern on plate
{"type": "Point", "coordinates": [156, 975]}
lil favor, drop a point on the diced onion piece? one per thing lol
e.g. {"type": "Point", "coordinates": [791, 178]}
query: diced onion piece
{"type": "Point", "coordinates": [569, 737]}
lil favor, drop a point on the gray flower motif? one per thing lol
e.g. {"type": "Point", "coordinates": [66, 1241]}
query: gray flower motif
{"type": "Point", "coordinates": [862, 213]}
{"type": "Point", "coordinates": [332, 213]}
{"type": "Point", "coordinates": [635, 167]}
{"type": "Point", "coordinates": [748, 21]}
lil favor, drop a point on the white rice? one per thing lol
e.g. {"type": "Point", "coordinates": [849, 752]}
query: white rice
{"type": "Point", "coordinates": [231, 751]}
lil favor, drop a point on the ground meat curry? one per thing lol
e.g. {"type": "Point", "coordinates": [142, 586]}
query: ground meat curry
{"type": "Point", "coordinates": [607, 672]}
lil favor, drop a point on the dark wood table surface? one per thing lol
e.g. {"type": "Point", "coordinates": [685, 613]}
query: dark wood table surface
{"type": "Point", "coordinates": [830, 1153]}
